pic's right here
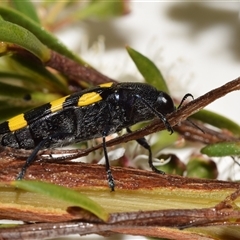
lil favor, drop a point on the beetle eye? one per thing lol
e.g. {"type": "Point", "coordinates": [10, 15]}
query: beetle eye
{"type": "Point", "coordinates": [165, 103]}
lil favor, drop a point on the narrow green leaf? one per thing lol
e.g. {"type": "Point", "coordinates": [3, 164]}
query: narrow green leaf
{"type": "Point", "coordinates": [198, 167]}
{"type": "Point", "coordinates": [9, 225]}
{"type": "Point", "coordinates": [13, 91]}
{"type": "Point", "coordinates": [57, 9]}
{"type": "Point", "coordinates": [10, 108]}
{"type": "Point", "coordinates": [40, 97]}
{"type": "Point", "coordinates": [222, 149]}
{"type": "Point", "coordinates": [27, 8]}
{"type": "Point", "coordinates": [12, 33]}
{"type": "Point", "coordinates": [149, 71]}
{"type": "Point", "coordinates": [29, 87]}
{"type": "Point", "coordinates": [217, 120]}
{"type": "Point", "coordinates": [45, 37]}
{"type": "Point", "coordinates": [72, 197]}
{"type": "Point", "coordinates": [164, 140]}
{"type": "Point", "coordinates": [101, 10]}
{"type": "Point", "coordinates": [32, 83]}
{"type": "Point", "coordinates": [16, 76]}
{"type": "Point", "coordinates": [15, 104]}
{"type": "Point", "coordinates": [40, 75]}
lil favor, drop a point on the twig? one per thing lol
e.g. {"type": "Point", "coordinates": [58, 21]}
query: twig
{"type": "Point", "coordinates": [76, 72]}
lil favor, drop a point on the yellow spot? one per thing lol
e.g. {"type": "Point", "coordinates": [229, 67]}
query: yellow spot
{"type": "Point", "coordinates": [89, 98]}
{"type": "Point", "coordinates": [106, 84]}
{"type": "Point", "coordinates": [57, 105]}
{"type": "Point", "coordinates": [17, 122]}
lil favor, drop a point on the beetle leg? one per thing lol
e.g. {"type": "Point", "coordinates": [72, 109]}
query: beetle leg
{"type": "Point", "coordinates": [107, 165]}
{"type": "Point", "coordinates": [143, 142]}
{"type": "Point", "coordinates": [33, 155]}
{"type": "Point", "coordinates": [31, 158]}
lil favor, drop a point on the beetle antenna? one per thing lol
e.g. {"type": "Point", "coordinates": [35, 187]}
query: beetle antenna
{"type": "Point", "coordinates": [184, 98]}
{"type": "Point", "coordinates": [181, 103]}
{"type": "Point", "coordinates": [195, 125]}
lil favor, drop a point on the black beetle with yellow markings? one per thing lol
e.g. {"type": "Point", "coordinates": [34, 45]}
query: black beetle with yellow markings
{"type": "Point", "coordinates": [92, 113]}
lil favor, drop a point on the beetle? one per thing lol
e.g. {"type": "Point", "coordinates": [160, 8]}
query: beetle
{"type": "Point", "coordinates": [88, 114]}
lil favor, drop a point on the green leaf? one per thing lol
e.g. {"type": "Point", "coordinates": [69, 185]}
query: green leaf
{"type": "Point", "coordinates": [14, 76]}
{"type": "Point", "coordinates": [10, 108]}
{"type": "Point", "coordinates": [3, 47]}
{"type": "Point", "coordinates": [101, 9]}
{"type": "Point", "coordinates": [72, 197]}
{"type": "Point", "coordinates": [9, 225]}
{"type": "Point", "coordinates": [45, 37]}
{"type": "Point", "coordinates": [198, 167]}
{"type": "Point", "coordinates": [15, 104]}
{"type": "Point", "coordinates": [173, 166]}
{"type": "Point", "coordinates": [164, 140]}
{"type": "Point", "coordinates": [27, 8]}
{"type": "Point", "coordinates": [222, 149]}
{"type": "Point", "coordinates": [12, 33]}
{"type": "Point", "coordinates": [13, 91]}
{"type": "Point", "coordinates": [149, 71]}
{"type": "Point", "coordinates": [217, 120]}
{"type": "Point", "coordinates": [40, 75]}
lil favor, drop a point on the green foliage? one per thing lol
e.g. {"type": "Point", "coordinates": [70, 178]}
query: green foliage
{"type": "Point", "coordinates": [217, 120]}
{"type": "Point", "coordinates": [26, 25]}
{"type": "Point", "coordinates": [13, 33]}
{"type": "Point", "coordinates": [199, 167]}
{"type": "Point", "coordinates": [222, 149]}
{"type": "Point", "coordinates": [149, 71]}
{"type": "Point", "coordinates": [62, 193]}
{"type": "Point", "coordinates": [100, 9]}
{"type": "Point", "coordinates": [173, 166]}
{"type": "Point", "coordinates": [27, 8]}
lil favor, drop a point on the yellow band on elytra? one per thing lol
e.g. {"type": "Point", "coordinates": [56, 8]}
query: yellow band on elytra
{"type": "Point", "coordinates": [106, 84]}
{"type": "Point", "coordinates": [89, 98]}
{"type": "Point", "coordinates": [57, 105]}
{"type": "Point", "coordinates": [17, 122]}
